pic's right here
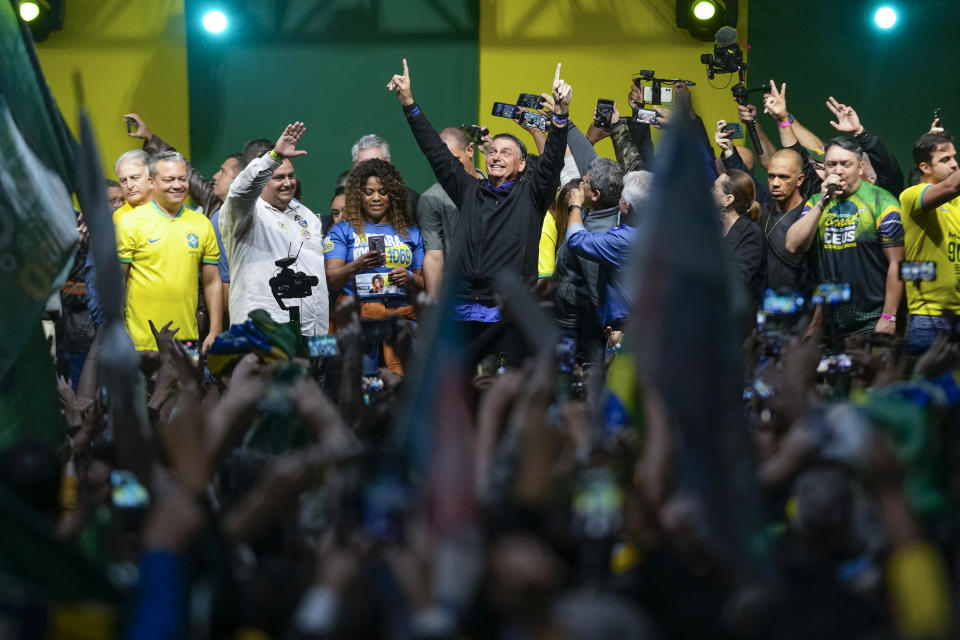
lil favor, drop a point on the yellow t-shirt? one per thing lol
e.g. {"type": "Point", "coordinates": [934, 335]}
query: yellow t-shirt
{"type": "Point", "coordinates": [118, 214]}
{"type": "Point", "coordinates": [164, 255]}
{"type": "Point", "coordinates": [547, 258]}
{"type": "Point", "coordinates": [934, 236]}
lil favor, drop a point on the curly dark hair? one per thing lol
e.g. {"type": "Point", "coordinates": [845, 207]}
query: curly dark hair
{"type": "Point", "coordinates": [398, 212]}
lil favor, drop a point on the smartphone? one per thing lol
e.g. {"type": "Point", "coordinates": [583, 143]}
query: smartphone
{"type": "Point", "coordinates": [127, 492]}
{"type": "Point", "coordinates": [530, 101]}
{"type": "Point", "coordinates": [663, 96]}
{"type": "Point", "coordinates": [938, 115]}
{"type": "Point", "coordinates": [193, 348]}
{"type": "Point", "coordinates": [831, 293]}
{"type": "Point", "coordinates": [782, 302]}
{"type": "Point", "coordinates": [918, 271]}
{"type": "Point", "coordinates": [473, 132]}
{"type": "Point", "coordinates": [504, 110]}
{"type": "Point", "coordinates": [604, 114]}
{"type": "Point", "coordinates": [322, 346]}
{"type": "Point", "coordinates": [131, 125]}
{"type": "Point", "coordinates": [735, 129]}
{"type": "Point", "coordinates": [376, 243]}
{"type": "Point", "coordinates": [531, 119]}
{"type": "Point", "coordinates": [645, 116]}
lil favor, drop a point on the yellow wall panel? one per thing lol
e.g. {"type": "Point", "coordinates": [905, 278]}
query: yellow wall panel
{"type": "Point", "coordinates": [601, 43]}
{"type": "Point", "coordinates": [133, 57]}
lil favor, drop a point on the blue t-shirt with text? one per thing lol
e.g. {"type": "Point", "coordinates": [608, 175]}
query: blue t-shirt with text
{"type": "Point", "coordinates": [344, 243]}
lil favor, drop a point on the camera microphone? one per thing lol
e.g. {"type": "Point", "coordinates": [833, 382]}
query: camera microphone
{"type": "Point", "coordinates": [726, 37]}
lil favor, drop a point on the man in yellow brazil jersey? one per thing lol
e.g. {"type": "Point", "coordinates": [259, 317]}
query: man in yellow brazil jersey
{"type": "Point", "coordinates": [161, 246]}
{"type": "Point", "coordinates": [931, 224]}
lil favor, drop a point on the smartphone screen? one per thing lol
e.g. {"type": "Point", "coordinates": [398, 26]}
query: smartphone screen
{"type": "Point", "coordinates": [604, 114]}
{"type": "Point", "coordinates": [735, 128]}
{"type": "Point", "coordinates": [537, 120]}
{"type": "Point", "coordinates": [529, 101]}
{"type": "Point", "coordinates": [645, 116]}
{"type": "Point", "coordinates": [504, 110]}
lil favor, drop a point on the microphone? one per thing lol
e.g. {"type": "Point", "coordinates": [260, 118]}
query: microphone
{"type": "Point", "coordinates": [726, 37]}
{"type": "Point", "coordinates": [832, 190]}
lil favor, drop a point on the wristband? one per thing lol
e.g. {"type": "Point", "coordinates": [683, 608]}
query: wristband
{"type": "Point", "coordinates": [784, 124]}
{"type": "Point", "coordinates": [276, 157]}
{"type": "Point", "coordinates": [559, 120]}
{"type": "Point", "coordinates": [887, 316]}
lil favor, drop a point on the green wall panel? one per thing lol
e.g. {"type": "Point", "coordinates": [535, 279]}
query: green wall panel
{"type": "Point", "coordinates": [327, 63]}
{"type": "Point", "coordinates": [893, 79]}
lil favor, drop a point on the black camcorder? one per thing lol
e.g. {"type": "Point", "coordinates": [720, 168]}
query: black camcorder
{"type": "Point", "coordinates": [727, 57]}
{"type": "Point", "coordinates": [291, 284]}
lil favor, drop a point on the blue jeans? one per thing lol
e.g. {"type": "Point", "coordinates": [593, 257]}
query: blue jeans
{"type": "Point", "coordinates": [923, 329]}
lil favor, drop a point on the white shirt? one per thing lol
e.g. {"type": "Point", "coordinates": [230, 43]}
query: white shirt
{"type": "Point", "coordinates": [255, 235]}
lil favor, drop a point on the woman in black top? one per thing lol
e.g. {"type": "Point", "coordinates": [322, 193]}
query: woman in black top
{"type": "Point", "coordinates": [734, 193]}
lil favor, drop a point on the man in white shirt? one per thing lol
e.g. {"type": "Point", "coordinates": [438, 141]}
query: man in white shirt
{"type": "Point", "coordinates": [260, 222]}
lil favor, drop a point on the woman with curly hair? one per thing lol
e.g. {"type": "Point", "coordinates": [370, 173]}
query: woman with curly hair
{"type": "Point", "coordinates": [374, 241]}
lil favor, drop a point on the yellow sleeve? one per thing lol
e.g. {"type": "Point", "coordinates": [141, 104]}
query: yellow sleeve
{"type": "Point", "coordinates": [211, 250]}
{"type": "Point", "coordinates": [920, 591]}
{"type": "Point", "coordinates": [126, 239]}
{"type": "Point", "coordinates": [546, 260]}
{"type": "Point", "coordinates": [911, 198]}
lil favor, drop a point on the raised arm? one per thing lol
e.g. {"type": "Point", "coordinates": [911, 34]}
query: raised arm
{"type": "Point", "coordinates": [889, 174]}
{"type": "Point", "coordinates": [732, 160]}
{"type": "Point", "coordinates": [449, 170]}
{"type": "Point", "coordinates": [201, 189]}
{"type": "Point", "coordinates": [628, 155]}
{"type": "Point", "coordinates": [748, 113]}
{"type": "Point", "coordinates": [237, 215]}
{"type": "Point", "coordinates": [546, 177]}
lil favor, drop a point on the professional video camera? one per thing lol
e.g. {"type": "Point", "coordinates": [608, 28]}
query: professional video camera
{"type": "Point", "coordinates": [727, 57]}
{"type": "Point", "coordinates": [288, 283]}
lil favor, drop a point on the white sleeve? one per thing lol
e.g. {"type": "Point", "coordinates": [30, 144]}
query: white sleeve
{"type": "Point", "coordinates": [237, 213]}
{"type": "Point", "coordinates": [569, 171]}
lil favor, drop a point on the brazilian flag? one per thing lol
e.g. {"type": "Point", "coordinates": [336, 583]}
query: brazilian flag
{"type": "Point", "coordinates": [38, 234]}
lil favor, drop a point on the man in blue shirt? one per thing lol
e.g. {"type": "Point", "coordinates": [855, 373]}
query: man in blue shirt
{"type": "Point", "coordinates": [612, 248]}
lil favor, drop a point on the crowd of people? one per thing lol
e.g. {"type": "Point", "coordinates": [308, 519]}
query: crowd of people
{"type": "Point", "coordinates": [437, 415]}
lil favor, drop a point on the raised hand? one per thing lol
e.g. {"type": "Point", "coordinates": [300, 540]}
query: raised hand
{"type": "Point", "coordinates": [401, 84]}
{"type": "Point", "coordinates": [935, 126]}
{"type": "Point", "coordinates": [142, 131]}
{"type": "Point", "coordinates": [747, 113]}
{"type": "Point", "coordinates": [561, 93]}
{"type": "Point", "coordinates": [635, 98]}
{"type": "Point", "coordinates": [847, 119]}
{"type": "Point", "coordinates": [164, 337]}
{"type": "Point", "coordinates": [775, 102]}
{"type": "Point", "coordinates": [721, 138]}
{"type": "Point", "coordinates": [286, 146]}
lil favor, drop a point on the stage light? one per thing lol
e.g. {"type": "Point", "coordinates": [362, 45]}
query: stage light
{"type": "Point", "coordinates": [702, 18]}
{"type": "Point", "coordinates": [885, 17]}
{"type": "Point", "coordinates": [29, 11]}
{"type": "Point", "coordinates": [214, 21]}
{"type": "Point", "coordinates": [704, 10]}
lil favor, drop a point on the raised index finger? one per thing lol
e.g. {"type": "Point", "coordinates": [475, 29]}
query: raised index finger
{"type": "Point", "coordinates": [556, 77]}
{"type": "Point", "coordinates": [406, 71]}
